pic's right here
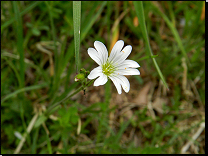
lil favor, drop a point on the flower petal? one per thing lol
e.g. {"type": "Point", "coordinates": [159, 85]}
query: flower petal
{"type": "Point", "coordinates": [116, 83]}
{"type": "Point", "coordinates": [102, 51]}
{"type": "Point", "coordinates": [120, 57]}
{"type": "Point", "coordinates": [101, 80]}
{"type": "Point", "coordinates": [127, 71]}
{"type": "Point", "coordinates": [124, 82]}
{"type": "Point", "coordinates": [116, 49]}
{"type": "Point", "coordinates": [128, 64]}
{"type": "Point", "coordinates": [94, 55]}
{"type": "Point", "coordinates": [95, 73]}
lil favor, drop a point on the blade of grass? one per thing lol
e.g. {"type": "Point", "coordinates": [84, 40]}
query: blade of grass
{"type": "Point", "coordinates": [76, 21]}
{"type": "Point", "coordinates": [140, 14]}
{"type": "Point", "coordinates": [34, 143]}
{"type": "Point", "coordinates": [19, 31]}
{"type": "Point", "coordinates": [14, 69]}
{"type": "Point", "coordinates": [53, 33]}
{"type": "Point", "coordinates": [174, 31]}
{"type": "Point", "coordinates": [48, 143]}
{"type": "Point", "coordinates": [55, 79]}
{"type": "Point", "coordinates": [23, 90]}
{"type": "Point", "coordinates": [5, 54]}
{"type": "Point", "coordinates": [30, 7]}
{"type": "Point", "coordinates": [172, 16]}
{"type": "Point", "coordinates": [88, 23]}
{"type": "Point", "coordinates": [92, 17]}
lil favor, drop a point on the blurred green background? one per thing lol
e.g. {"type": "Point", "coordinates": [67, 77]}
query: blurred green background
{"type": "Point", "coordinates": [38, 70]}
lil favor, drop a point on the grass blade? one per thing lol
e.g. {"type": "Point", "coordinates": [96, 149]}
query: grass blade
{"type": "Point", "coordinates": [14, 69]}
{"type": "Point", "coordinates": [19, 31]}
{"type": "Point", "coordinates": [23, 90]}
{"type": "Point", "coordinates": [34, 143]}
{"type": "Point", "coordinates": [49, 6]}
{"type": "Point", "coordinates": [76, 21]}
{"type": "Point", "coordinates": [140, 14]}
{"type": "Point", "coordinates": [174, 31]}
{"type": "Point", "coordinates": [55, 78]}
{"type": "Point", "coordinates": [7, 23]}
{"type": "Point", "coordinates": [91, 18]}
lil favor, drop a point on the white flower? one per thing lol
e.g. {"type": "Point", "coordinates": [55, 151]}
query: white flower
{"type": "Point", "coordinates": [114, 66]}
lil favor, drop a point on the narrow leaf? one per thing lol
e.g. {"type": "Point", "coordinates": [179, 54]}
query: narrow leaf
{"type": "Point", "coordinates": [23, 90]}
{"type": "Point", "coordinates": [76, 21]}
{"type": "Point", "coordinates": [19, 33]}
{"type": "Point", "coordinates": [140, 14]}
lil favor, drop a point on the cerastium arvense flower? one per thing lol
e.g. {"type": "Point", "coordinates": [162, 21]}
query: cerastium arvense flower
{"type": "Point", "coordinates": [114, 67]}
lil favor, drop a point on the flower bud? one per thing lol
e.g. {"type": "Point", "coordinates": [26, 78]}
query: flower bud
{"type": "Point", "coordinates": [79, 77]}
{"type": "Point", "coordinates": [85, 72]}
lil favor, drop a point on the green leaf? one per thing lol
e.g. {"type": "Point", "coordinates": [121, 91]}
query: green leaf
{"type": "Point", "coordinates": [76, 21]}
{"type": "Point", "coordinates": [140, 14]}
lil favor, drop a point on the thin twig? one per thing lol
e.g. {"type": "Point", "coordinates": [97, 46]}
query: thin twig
{"type": "Point", "coordinates": [29, 128]}
{"type": "Point", "coordinates": [194, 137]}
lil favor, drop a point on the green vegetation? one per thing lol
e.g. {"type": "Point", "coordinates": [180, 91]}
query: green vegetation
{"type": "Point", "coordinates": [44, 110]}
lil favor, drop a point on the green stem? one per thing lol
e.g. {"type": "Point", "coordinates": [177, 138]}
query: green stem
{"type": "Point", "coordinates": [77, 91]}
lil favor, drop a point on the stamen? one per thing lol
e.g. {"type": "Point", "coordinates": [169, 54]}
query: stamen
{"type": "Point", "coordinates": [108, 68]}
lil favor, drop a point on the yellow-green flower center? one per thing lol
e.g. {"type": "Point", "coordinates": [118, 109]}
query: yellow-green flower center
{"type": "Point", "coordinates": [108, 68]}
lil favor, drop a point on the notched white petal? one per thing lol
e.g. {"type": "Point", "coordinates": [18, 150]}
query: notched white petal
{"type": "Point", "coordinates": [95, 73]}
{"type": "Point", "coordinates": [127, 64]}
{"type": "Point", "coordinates": [128, 71]}
{"type": "Point", "coordinates": [101, 80]}
{"type": "Point", "coordinates": [102, 50]}
{"type": "Point", "coordinates": [116, 83]}
{"type": "Point", "coordinates": [123, 55]}
{"type": "Point", "coordinates": [127, 49]}
{"type": "Point", "coordinates": [130, 64]}
{"type": "Point", "coordinates": [116, 49]}
{"type": "Point", "coordinates": [124, 82]}
{"type": "Point", "coordinates": [94, 55]}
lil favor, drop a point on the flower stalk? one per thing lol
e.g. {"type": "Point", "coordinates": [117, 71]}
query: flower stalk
{"type": "Point", "coordinates": [83, 87]}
